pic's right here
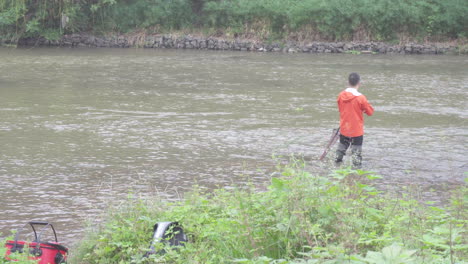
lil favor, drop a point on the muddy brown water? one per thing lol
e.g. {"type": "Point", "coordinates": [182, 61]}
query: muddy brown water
{"type": "Point", "coordinates": [82, 127]}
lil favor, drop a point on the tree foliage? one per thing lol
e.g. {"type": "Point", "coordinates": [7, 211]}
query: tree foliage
{"type": "Point", "coordinates": [329, 19]}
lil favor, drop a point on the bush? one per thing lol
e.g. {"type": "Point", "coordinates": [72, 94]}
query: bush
{"type": "Point", "coordinates": [301, 218]}
{"type": "Point", "coordinates": [347, 19]}
{"type": "Point", "coordinates": [330, 19]}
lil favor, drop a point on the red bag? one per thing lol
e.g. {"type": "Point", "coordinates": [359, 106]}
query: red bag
{"type": "Point", "coordinates": [43, 252]}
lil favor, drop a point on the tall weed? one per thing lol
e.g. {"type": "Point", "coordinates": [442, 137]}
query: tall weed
{"type": "Point", "coordinates": [300, 218]}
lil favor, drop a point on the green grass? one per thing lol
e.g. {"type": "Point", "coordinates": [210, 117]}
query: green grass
{"type": "Point", "coordinates": [354, 52]}
{"type": "Point", "coordinates": [331, 20]}
{"type": "Point", "coordinates": [299, 218]}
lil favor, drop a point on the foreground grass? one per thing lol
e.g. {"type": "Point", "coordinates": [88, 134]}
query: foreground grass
{"type": "Point", "coordinates": [301, 218]}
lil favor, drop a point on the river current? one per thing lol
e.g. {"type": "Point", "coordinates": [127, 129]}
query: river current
{"type": "Point", "coordinates": [82, 127]}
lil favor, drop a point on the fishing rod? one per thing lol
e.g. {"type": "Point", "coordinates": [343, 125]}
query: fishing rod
{"type": "Point", "coordinates": [331, 142]}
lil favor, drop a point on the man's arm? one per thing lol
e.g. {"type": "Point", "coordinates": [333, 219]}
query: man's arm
{"type": "Point", "coordinates": [366, 107]}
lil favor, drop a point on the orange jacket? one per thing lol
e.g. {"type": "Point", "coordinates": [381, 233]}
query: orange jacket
{"type": "Point", "coordinates": [351, 105]}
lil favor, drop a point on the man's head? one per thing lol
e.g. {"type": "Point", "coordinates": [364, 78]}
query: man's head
{"type": "Point", "coordinates": [354, 79]}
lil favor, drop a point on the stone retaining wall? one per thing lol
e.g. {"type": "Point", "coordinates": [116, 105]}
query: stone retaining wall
{"type": "Point", "coordinates": [210, 43]}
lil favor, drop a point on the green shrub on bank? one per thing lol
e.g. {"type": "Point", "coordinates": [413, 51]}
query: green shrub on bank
{"type": "Point", "coordinates": [382, 20]}
{"type": "Point", "coordinates": [300, 218]}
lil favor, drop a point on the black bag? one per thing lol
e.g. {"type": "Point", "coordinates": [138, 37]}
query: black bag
{"type": "Point", "coordinates": [170, 233]}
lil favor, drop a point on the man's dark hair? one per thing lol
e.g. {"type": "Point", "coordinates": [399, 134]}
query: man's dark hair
{"type": "Point", "coordinates": [354, 79]}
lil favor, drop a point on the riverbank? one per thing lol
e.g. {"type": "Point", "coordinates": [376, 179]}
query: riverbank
{"type": "Point", "coordinates": [298, 218]}
{"type": "Point", "coordinates": [169, 41]}
{"type": "Point", "coordinates": [332, 20]}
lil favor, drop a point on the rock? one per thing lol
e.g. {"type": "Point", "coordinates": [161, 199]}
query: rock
{"type": "Point", "coordinates": [190, 42]}
{"type": "Point", "coordinates": [408, 48]}
{"type": "Point", "coordinates": [347, 47]}
{"type": "Point", "coordinates": [149, 42]}
{"type": "Point", "coordinates": [202, 44]}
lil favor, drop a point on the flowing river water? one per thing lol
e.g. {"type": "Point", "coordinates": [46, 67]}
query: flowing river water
{"type": "Point", "coordinates": [82, 127]}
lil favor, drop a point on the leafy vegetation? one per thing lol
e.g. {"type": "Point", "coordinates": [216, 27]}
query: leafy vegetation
{"type": "Point", "coordinates": [300, 218]}
{"type": "Point", "coordinates": [385, 20]}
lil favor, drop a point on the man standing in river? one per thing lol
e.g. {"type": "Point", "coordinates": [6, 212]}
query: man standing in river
{"type": "Point", "coordinates": [352, 105]}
